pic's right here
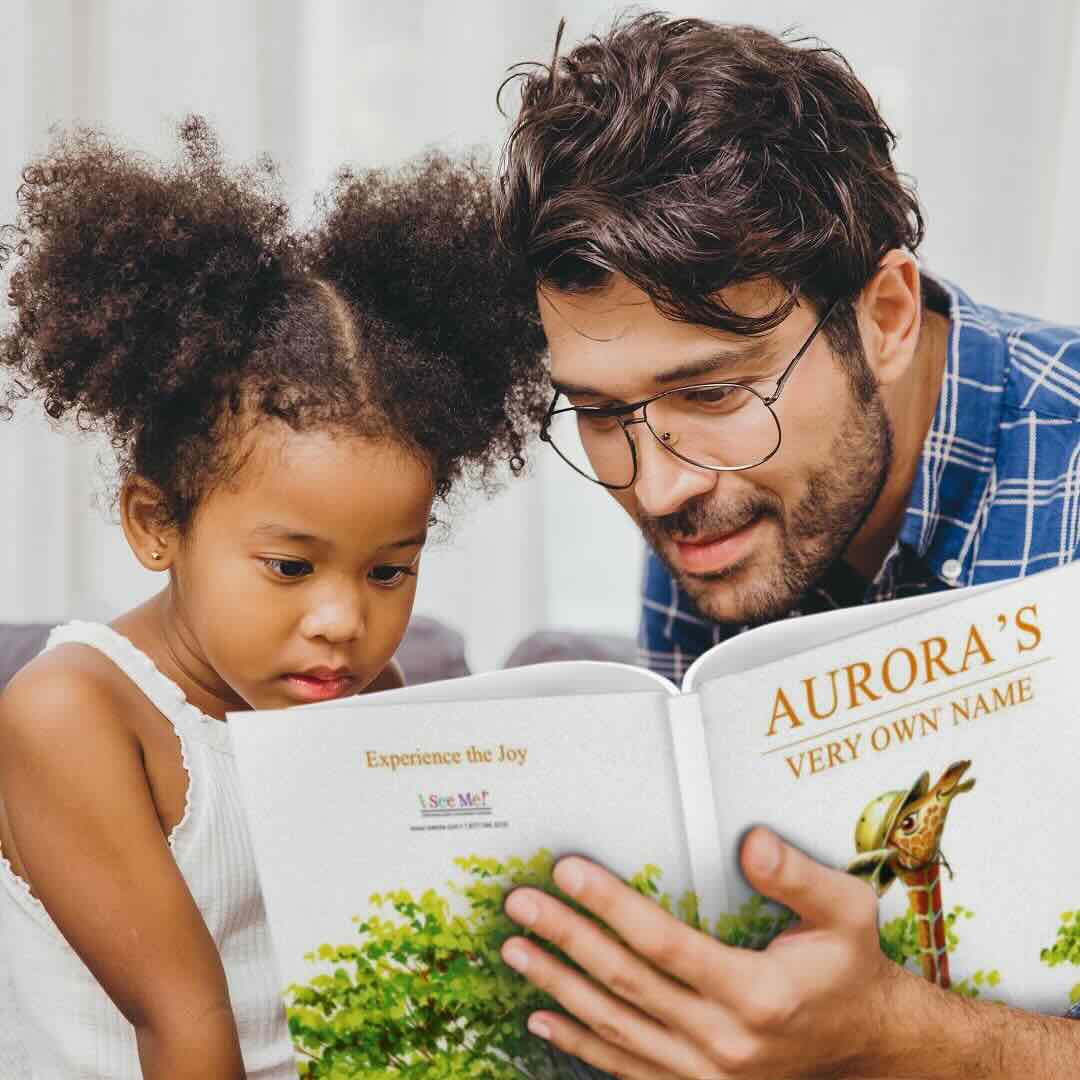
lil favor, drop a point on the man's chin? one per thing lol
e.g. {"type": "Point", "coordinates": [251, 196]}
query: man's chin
{"type": "Point", "coordinates": [715, 602]}
{"type": "Point", "coordinates": [739, 595]}
{"type": "Point", "coordinates": [719, 594]}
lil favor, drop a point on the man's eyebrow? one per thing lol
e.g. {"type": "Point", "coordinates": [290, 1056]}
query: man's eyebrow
{"type": "Point", "coordinates": [753, 352]}
{"type": "Point", "coordinates": [568, 389]}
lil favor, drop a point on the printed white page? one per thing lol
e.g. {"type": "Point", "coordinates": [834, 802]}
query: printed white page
{"type": "Point", "coordinates": [786, 637]}
{"type": "Point", "coordinates": [343, 803]}
{"type": "Point", "coordinates": [992, 681]}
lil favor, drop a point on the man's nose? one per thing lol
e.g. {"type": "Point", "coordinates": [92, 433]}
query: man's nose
{"type": "Point", "coordinates": [665, 482]}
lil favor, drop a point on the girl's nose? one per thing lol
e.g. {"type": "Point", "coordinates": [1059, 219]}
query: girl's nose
{"type": "Point", "coordinates": [337, 619]}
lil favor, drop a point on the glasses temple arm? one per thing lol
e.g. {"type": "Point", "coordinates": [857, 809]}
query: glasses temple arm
{"type": "Point", "coordinates": [801, 353]}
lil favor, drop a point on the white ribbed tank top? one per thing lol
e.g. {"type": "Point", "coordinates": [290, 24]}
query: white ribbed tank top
{"type": "Point", "coordinates": [68, 1025]}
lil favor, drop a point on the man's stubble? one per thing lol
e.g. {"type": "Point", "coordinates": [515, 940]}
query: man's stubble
{"type": "Point", "coordinates": [813, 534]}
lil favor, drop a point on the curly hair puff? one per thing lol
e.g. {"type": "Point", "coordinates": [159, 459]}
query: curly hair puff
{"type": "Point", "coordinates": [172, 307]}
{"type": "Point", "coordinates": [417, 260]}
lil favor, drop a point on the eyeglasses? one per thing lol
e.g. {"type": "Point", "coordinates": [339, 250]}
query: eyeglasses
{"type": "Point", "coordinates": [724, 427]}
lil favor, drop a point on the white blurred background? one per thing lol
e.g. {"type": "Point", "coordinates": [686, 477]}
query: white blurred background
{"type": "Point", "coordinates": [984, 94]}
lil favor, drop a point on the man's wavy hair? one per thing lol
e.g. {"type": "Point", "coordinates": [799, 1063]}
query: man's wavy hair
{"type": "Point", "coordinates": [690, 156]}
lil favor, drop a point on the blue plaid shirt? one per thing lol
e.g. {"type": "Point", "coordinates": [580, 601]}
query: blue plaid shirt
{"type": "Point", "coordinates": [997, 493]}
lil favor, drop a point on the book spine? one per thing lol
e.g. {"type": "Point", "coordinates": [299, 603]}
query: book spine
{"type": "Point", "coordinates": [698, 804]}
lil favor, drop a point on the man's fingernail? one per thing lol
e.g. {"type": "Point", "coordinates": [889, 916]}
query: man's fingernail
{"type": "Point", "coordinates": [538, 1027]}
{"type": "Point", "coordinates": [569, 876]}
{"type": "Point", "coordinates": [516, 957]}
{"type": "Point", "coordinates": [765, 853]}
{"type": "Point", "coordinates": [521, 909]}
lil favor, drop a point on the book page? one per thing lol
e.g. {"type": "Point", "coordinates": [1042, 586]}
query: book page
{"type": "Point", "coordinates": [963, 721]}
{"type": "Point", "coordinates": [554, 679]}
{"type": "Point", "coordinates": [777, 640]}
{"type": "Point", "coordinates": [407, 822]}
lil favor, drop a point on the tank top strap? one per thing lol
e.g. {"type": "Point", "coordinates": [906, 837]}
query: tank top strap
{"type": "Point", "coordinates": [163, 693]}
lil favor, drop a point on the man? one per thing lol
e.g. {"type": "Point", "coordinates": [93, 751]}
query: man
{"type": "Point", "coordinates": [745, 353]}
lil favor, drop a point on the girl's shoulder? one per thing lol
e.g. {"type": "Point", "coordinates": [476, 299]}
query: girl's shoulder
{"type": "Point", "coordinates": [93, 702]}
{"type": "Point", "coordinates": [72, 691]}
{"type": "Point", "coordinates": [75, 726]}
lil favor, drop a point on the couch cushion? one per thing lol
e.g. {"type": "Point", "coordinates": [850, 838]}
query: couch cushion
{"type": "Point", "coordinates": [544, 646]}
{"type": "Point", "coordinates": [19, 642]}
{"type": "Point", "coordinates": [430, 651]}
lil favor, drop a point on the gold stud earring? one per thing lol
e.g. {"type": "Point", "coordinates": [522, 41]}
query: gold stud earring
{"type": "Point", "coordinates": [155, 555]}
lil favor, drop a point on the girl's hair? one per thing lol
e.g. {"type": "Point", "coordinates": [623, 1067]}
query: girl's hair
{"type": "Point", "coordinates": [172, 307]}
{"type": "Point", "coordinates": [689, 156]}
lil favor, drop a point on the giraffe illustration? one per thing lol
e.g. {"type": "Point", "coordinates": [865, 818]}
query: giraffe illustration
{"type": "Point", "coordinates": [898, 835]}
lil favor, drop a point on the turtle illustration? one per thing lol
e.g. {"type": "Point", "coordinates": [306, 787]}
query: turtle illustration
{"type": "Point", "coordinates": [898, 835]}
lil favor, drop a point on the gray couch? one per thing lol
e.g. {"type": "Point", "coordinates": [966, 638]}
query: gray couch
{"type": "Point", "coordinates": [431, 650]}
{"type": "Point", "coordinates": [19, 642]}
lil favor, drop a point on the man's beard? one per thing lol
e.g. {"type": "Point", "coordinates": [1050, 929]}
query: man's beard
{"type": "Point", "coordinates": [813, 534]}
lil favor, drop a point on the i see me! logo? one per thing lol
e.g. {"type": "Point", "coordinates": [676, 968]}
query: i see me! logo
{"type": "Point", "coordinates": [466, 803]}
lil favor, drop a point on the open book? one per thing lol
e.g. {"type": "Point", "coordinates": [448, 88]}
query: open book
{"type": "Point", "coordinates": [930, 745]}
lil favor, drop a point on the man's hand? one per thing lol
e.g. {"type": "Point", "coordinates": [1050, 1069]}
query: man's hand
{"type": "Point", "coordinates": [820, 1001]}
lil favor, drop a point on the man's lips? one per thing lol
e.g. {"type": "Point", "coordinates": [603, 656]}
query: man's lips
{"type": "Point", "coordinates": [709, 554]}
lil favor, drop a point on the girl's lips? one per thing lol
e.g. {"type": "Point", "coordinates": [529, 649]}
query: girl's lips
{"type": "Point", "coordinates": [317, 688]}
{"type": "Point", "coordinates": [718, 553]}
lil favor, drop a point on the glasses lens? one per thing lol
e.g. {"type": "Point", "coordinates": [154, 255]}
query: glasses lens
{"type": "Point", "coordinates": [721, 425]}
{"type": "Point", "coordinates": [596, 446]}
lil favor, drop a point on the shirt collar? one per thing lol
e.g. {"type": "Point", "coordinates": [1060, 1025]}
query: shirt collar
{"type": "Point", "coordinates": [958, 454]}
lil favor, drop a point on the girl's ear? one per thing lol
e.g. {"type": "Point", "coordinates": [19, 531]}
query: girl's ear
{"type": "Point", "coordinates": [142, 518]}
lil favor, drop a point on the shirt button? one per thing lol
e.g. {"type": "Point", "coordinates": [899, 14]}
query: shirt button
{"type": "Point", "coordinates": [950, 570]}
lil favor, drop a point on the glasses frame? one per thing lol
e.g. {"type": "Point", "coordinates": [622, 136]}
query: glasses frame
{"type": "Point", "coordinates": [618, 412]}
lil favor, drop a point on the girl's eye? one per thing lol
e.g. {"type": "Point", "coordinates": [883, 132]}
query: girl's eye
{"type": "Point", "coordinates": [289, 569]}
{"type": "Point", "coordinates": [388, 575]}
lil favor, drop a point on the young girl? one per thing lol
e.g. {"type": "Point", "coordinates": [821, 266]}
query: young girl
{"type": "Point", "coordinates": [285, 410]}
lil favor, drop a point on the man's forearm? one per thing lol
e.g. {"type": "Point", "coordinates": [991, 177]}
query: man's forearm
{"type": "Point", "coordinates": [932, 1034]}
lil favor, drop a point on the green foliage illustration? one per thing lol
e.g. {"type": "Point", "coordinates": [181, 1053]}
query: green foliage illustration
{"type": "Point", "coordinates": [1066, 948]}
{"type": "Point", "coordinates": [900, 943]}
{"type": "Point", "coordinates": [425, 995]}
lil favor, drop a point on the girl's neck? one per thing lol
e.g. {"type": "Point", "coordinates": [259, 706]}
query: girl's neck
{"type": "Point", "coordinates": [158, 628]}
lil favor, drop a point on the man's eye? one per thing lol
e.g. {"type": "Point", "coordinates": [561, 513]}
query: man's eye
{"type": "Point", "coordinates": [596, 421]}
{"type": "Point", "coordinates": [387, 575]}
{"type": "Point", "coordinates": [717, 399]}
{"type": "Point", "coordinates": [289, 569]}
{"type": "Point", "coordinates": [711, 395]}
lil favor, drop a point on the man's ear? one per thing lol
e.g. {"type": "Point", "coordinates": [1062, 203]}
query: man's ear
{"type": "Point", "coordinates": [143, 519]}
{"type": "Point", "coordinates": [890, 315]}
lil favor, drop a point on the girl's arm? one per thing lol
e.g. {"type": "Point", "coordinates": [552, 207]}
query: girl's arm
{"type": "Point", "coordinates": [82, 826]}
